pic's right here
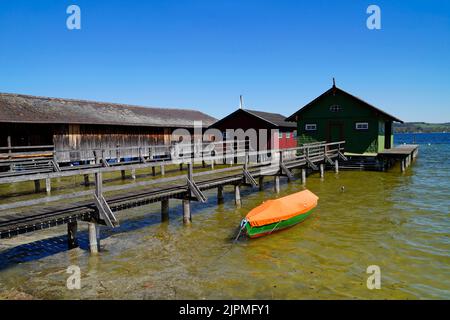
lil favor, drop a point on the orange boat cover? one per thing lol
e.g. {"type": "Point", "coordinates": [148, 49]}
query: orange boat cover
{"type": "Point", "coordinates": [272, 211]}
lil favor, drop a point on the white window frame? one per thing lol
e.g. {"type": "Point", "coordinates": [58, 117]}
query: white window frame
{"type": "Point", "coordinates": [310, 127]}
{"type": "Point", "coordinates": [288, 135]}
{"type": "Point", "coordinates": [280, 135]}
{"type": "Point", "coordinates": [361, 126]}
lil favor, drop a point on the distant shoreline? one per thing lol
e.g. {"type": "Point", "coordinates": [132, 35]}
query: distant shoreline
{"type": "Point", "coordinates": [421, 127]}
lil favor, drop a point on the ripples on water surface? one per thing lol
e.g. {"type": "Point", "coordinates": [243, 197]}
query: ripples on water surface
{"type": "Point", "coordinates": [399, 222]}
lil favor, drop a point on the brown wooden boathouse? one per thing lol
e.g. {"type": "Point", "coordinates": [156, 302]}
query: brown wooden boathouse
{"type": "Point", "coordinates": [70, 125]}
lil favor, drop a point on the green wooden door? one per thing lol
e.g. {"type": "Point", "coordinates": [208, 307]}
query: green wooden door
{"type": "Point", "coordinates": [335, 131]}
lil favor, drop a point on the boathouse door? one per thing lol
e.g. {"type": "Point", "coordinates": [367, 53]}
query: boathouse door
{"type": "Point", "coordinates": [335, 131]}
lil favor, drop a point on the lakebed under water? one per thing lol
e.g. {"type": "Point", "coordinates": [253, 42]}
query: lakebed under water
{"type": "Point", "coordinates": [399, 222]}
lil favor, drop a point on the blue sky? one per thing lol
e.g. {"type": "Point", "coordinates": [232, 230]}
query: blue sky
{"type": "Point", "coordinates": [204, 54]}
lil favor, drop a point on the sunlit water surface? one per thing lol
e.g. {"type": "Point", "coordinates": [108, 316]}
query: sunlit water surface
{"type": "Point", "coordinates": [399, 222]}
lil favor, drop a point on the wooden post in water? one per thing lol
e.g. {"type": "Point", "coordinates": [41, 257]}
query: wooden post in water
{"type": "Point", "coordinates": [86, 180]}
{"type": "Point", "coordinates": [276, 184]}
{"type": "Point", "coordinates": [48, 185]}
{"type": "Point", "coordinates": [237, 195]}
{"type": "Point", "coordinates": [181, 166]}
{"type": "Point", "coordinates": [153, 171]}
{"type": "Point", "coordinates": [187, 218]}
{"type": "Point", "coordinates": [37, 186]}
{"type": "Point", "coordinates": [402, 165]}
{"type": "Point", "coordinates": [336, 166]}
{"type": "Point", "coordinates": [163, 168]}
{"type": "Point", "coordinates": [261, 183]}
{"type": "Point", "coordinates": [133, 174]}
{"type": "Point", "coordinates": [93, 244]}
{"type": "Point", "coordinates": [165, 210]}
{"type": "Point", "coordinates": [72, 241]}
{"type": "Point", "coordinates": [220, 198]}
{"type": "Point", "coordinates": [322, 170]}
{"type": "Point", "coordinates": [303, 176]}
{"type": "Point", "coordinates": [122, 173]}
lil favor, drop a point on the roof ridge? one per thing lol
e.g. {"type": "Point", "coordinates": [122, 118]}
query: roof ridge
{"type": "Point", "coordinates": [114, 104]}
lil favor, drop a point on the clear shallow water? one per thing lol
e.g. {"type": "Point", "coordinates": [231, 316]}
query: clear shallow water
{"type": "Point", "coordinates": [399, 222]}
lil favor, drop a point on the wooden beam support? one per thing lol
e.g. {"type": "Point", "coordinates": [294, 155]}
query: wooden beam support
{"type": "Point", "coordinates": [93, 241]}
{"type": "Point", "coordinates": [303, 176]}
{"type": "Point", "coordinates": [37, 186]}
{"type": "Point", "coordinates": [154, 171]}
{"type": "Point", "coordinates": [122, 173]}
{"type": "Point", "coordinates": [261, 183]}
{"type": "Point", "coordinates": [322, 170]}
{"type": "Point", "coordinates": [237, 196]}
{"type": "Point", "coordinates": [276, 184]}
{"type": "Point", "coordinates": [187, 218]}
{"type": "Point", "coordinates": [86, 180]}
{"type": "Point", "coordinates": [220, 198]}
{"type": "Point", "coordinates": [165, 210]}
{"type": "Point", "coordinates": [48, 185]}
{"type": "Point", "coordinates": [72, 241]}
{"type": "Point", "coordinates": [336, 166]}
{"type": "Point", "coordinates": [133, 173]}
{"type": "Point", "coordinates": [163, 170]}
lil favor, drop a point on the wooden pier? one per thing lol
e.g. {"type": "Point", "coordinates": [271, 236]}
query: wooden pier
{"type": "Point", "coordinates": [100, 205]}
{"type": "Point", "coordinates": [405, 153]}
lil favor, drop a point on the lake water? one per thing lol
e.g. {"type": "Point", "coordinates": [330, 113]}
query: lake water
{"type": "Point", "coordinates": [399, 222]}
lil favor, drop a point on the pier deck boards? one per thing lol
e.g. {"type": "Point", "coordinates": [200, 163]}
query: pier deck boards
{"type": "Point", "coordinates": [401, 150]}
{"type": "Point", "coordinates": [50, 211]}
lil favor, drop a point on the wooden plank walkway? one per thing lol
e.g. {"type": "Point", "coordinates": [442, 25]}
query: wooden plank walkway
{"type": "Point", "coordinates": [28, 216]}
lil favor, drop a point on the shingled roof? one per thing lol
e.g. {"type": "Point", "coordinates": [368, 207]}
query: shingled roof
{"type": "Point", "coordinates": [18, 108]}
{"type": "Point", "coordinates": [274, 119]}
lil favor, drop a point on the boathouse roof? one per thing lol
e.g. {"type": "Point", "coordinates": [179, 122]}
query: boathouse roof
{"type": "Point", "coordinates": [19, 108]}
{"type": "Point", "coordinates": [273, 119]}
{"type": "Point", "coordinates": [333, 90]}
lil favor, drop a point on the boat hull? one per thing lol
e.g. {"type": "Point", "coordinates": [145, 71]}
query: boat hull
{"type": "Point", "coordinates": [255, 232]}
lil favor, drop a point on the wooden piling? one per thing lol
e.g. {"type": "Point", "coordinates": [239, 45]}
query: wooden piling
{"type": "Point", "coordinates": [402, 165]}
{"type": "Point", "coordinates": [322, 170]}
{"type": "Point", "coordinates": [86, 180]}
{"type": "Point", "coordinates": [48, 185]}
{"type": "Point", "coordinates": [336, 166]}
{"type": "Point", "coordinates": [187, 218]}
{"type": "Point", "coordinates": [165, 210]}
{"type": "Point", "coordinates": [133, 174]}
{"type": "Point", "coordinates": [237, 196]}
{"type": "Point", "coordinates": [153, 171]}
{"type": "Point", "coordinates": [303, 176]}
{"type": "Point", "coordinates": [220, 198]}
{"type": "Point", "coordinates": [122, 173]}
{"type": "Point", "coordinates": [37, 185]}
{"type": "Point", "coordinates": [93, 244]}
{"type": "Point", "coordinates": [181, 167]}
{"type": "Point", "coordinates": [261, 183]}
{"type": "Point", "coordinates": [163, 170]}
{"type": "Point", "coordinates": [276, 184]}
{"type": "Point", "coordinates": [72, 241]}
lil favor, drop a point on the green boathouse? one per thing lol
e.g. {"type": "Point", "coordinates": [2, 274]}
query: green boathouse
{"type": "Point", "coordinates": [336, 115]}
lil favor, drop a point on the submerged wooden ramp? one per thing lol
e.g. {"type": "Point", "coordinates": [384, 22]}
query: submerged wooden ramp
{"type": "Point", "coordinates": [100, 205]}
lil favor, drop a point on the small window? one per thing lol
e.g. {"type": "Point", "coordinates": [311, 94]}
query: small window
{"type": "Point", "coordinates": [280, 135]}
{"type": "Point", "coordinates": [362, 126]}
{"type": "Point", "coordinates": [335, 108]}
{"type": "Point", "coordinates": [310, 127]}
{"type": "Point", "coordinates": [288, 135]}
{"type": "Point", "coordinates": [295, 133]}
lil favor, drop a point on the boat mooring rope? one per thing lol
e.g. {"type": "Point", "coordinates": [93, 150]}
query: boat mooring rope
{"type": "Point", "coordinates": [243, 224]}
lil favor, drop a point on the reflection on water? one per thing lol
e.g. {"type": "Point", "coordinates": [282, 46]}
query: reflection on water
{"type": "Point", "coordinates": [399, 222]}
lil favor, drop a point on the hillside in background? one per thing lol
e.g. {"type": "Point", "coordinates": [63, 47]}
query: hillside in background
{"type": "Point", "coordinates": [421, 127]}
